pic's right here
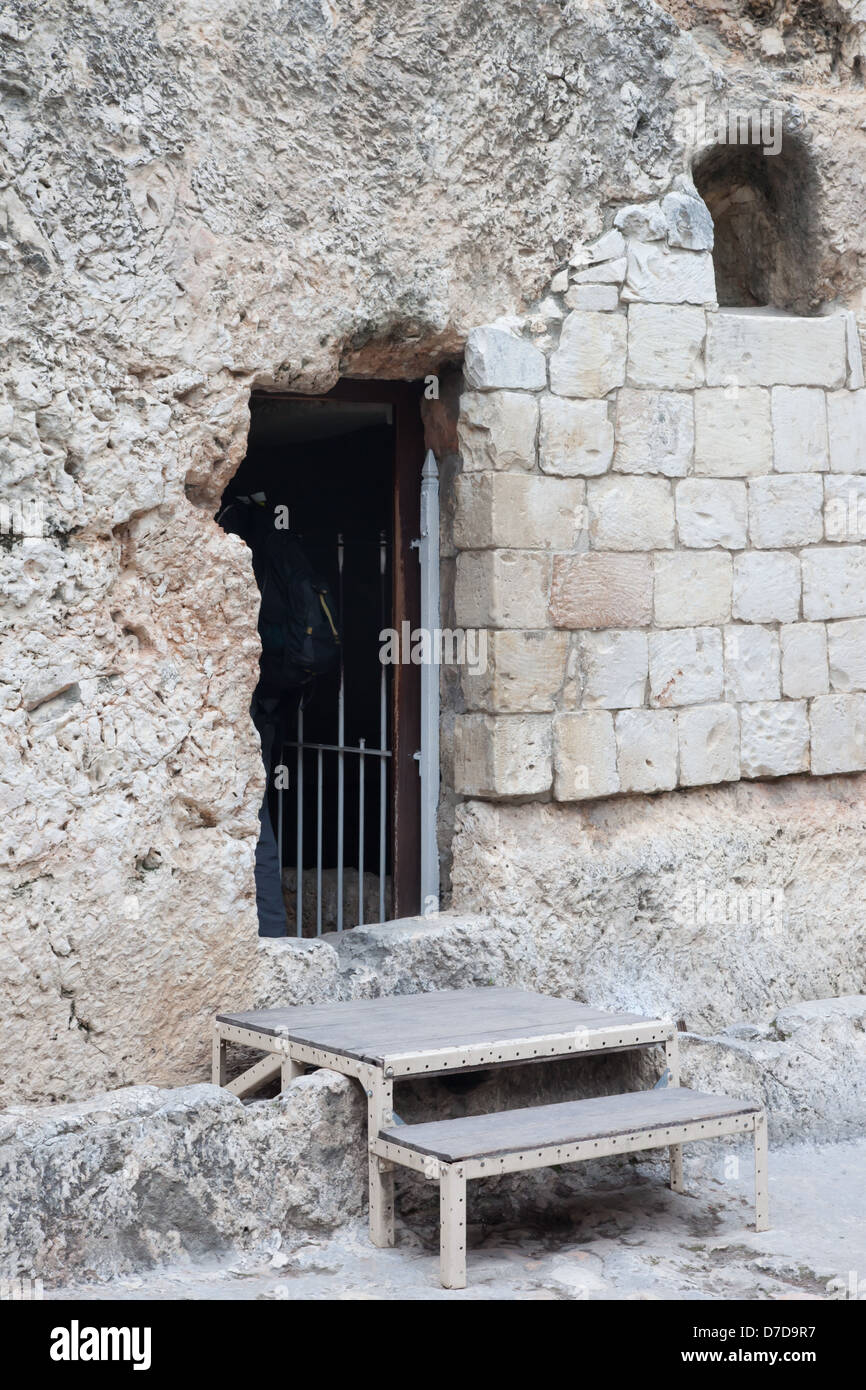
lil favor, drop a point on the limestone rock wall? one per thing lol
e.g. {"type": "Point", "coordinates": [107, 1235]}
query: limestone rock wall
{"type": "Point", "coordinates": [197, 199]}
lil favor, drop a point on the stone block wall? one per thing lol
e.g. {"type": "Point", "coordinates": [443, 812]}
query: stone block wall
{"type": "Point", "coordinates": [661, 522]}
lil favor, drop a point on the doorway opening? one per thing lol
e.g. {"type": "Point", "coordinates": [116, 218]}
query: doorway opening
{"type": "Point", "coordinates": [340, 475]}
{"type": "Point", "coordinates": [763, 211]}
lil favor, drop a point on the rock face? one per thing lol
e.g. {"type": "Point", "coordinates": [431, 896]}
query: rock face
{"type": "Point", "coordinates": [131, 1179]}
{"type": "Point", "coordinates": [198, 201]}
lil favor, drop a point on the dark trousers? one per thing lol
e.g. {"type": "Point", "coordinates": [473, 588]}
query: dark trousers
{"type": "Point", "coordinates": [269, 889]}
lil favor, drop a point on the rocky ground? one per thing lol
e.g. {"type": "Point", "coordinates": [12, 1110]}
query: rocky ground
{"type": "Point", "coordinates": [622, 1242]}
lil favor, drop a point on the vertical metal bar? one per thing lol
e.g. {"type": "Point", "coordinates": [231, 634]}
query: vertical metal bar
{"type": "Point", "coordinates": [380, 1113]}
{"type": "Point", "coordinates": [299, 857]}
{"type": "Point", "coordinates": [383, 733]}
{"type": "Point", "coordinates": [280, 751]}
{"type": "Point", "coordinates": [341, 722]}
{"type": "Point", "coordinates": [428, 554]}
{"type": "Point", "coordinates": [218, 1071]}
{"type": "Point", "coordinates": [675, 1152]}
{"type": "Point", "coordinates": [319, 845]}
{"type": "Point", "coordinates": [362, 743]}
{"type": "Point", "coordinates": [452, 1227]}
{"type": "Point", "coordinates": [762, 1197]}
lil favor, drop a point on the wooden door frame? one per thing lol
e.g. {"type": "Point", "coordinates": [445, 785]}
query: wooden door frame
{"type": "Point", "coordinates": [405, 399]}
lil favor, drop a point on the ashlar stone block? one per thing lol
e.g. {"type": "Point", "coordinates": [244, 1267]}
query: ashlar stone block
{"type": "Point", "coordinates": [799, 429]}
{"type": "Point", "coordinates": [846, 650]}
{"type": "Point", "coordinates": [597, 590]}
{"type": "Point", "coordinates": [766, 587]}
{"type": "Point", "coordinates": [502, 588]}
{"type": "Point", "coordinates": [591, 357]}
{"type": "Point", "coordinates": [584, 755]}
{"type": "Point", "coordinates": [655, 432]}
{"type": "Point", "coordinates": [834, 582]}
{"type": "Point", "coordinates": [627, 513]}
{"type": "Point", "coordinates": [522, 672]}
{"type": "Point", "coordinates": [659, 274]}
{"type": "Point", "coordinates": [646, 744]}
{"type": "Point", "coordinates": [774, 738]}
{"type": "Point", "coordinates": [709, 744]}
{"type": "Point", "coordinates": [692, 589]}
{"type": "Point", "coordinates": [685, 666]}
{"type": "Point", "coordinates": [786, 510]}
{"type": "Point", "coordinates": [498, 360]}
{"type": "Point", "coordinates": [503, 755]}
{"type": "Point", "coordinates": [751, 663]}
{"type": "Point", "coordinates": [711, 512]}
{"type": "Point", "coordinates": [613, 668]}
{"type": "Point", "coordinates": [516, 511]}
{"type": "Point", "coordinates": [733, 435]}
{"type": "Point", "coordinates": [838, 734]}
{"type": "Point", "coordinates": [804, 660]}
{"type": "Point", "coordinates": [576, 437]}
{"type": "Point", "coordinates": [755, 348]}
{"type": "Point", "coordinates": [665, 346]}
{"type": "Point", "coordinates": [496, 430]}
{"type": "Point", "coordinates": [846, 418]}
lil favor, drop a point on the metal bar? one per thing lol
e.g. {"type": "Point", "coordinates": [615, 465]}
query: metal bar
{"type": "Point", "coordinates": [525, 1049]}
{"type": "Point", "coordinates": [762, 1196]}
{"type": "Point", "coordinates": [672, 1059]}
{"type": "Point", "coordinates": [345, 748]}
{"type": "Point", "coordinates": [261, 1071]}
{"type": "Point", "coordinates": [361, 835]}
{"type": "Point", "coordinates": [380, 1103]}
{"type": "Point", "coordinates": [299, 837]}
{"type": "Point", "coordinates": [279, 813]}
{"type": "Point", "coordinates": [428, 766]}
{"type": "Point", "coordinates": [452, 1227]}
{"type": "Point", "coordinates": [319, 844]}
{"type": "Point", "coordinates": [383, 734]}
{"type": "Point", "coordinates": [218, 1071]}
{"type": "Point", "coordinates": [341, 734]}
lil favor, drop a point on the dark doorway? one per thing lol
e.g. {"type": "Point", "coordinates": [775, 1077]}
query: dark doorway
{"type": "Point", "coordinates": [343, 786]}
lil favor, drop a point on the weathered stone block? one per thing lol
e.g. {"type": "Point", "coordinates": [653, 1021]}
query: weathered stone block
{"type": "Point", "coordinates": [628, 513]}
{"type": "Point", "coordinates": [665, 346]}
{"type": "Point", "coordinates": [766, 587]}
{"type": "Point", "coordinates": [585, 755]}
{"type": "Point", "coordinates": [502, 588]}
{"type": "Point", "coordinates": [502, 755]}
{"type": "Point", "coordinates": [759, 349]}
{"type": "Point", "coordinates": [659, 275]}
{"type": "Point", "coordinates": [655, 432]}
{"type": "Point", "coordinates": [838, 733]}
{"type": "Point", "coordinates": [497, 429]}
{"type": "Point", "coordinates": [709, 744]}
{"type": "Point", "coordinates": [846, 419]}
{"type": "Point", "coordinates": [592, 591]}
{"type": "Point", "coordinates": [576, 437]}
{"type": "Point", "coordinates": [786, 510]}
{"type": "Point", "coordinates": [846, 650]}
{"type": "Point", "coordinates": [855, 377]}
{"type": "Point", "coordinates": [692, 589]}
{"type": "Point", "coordinates": [606, 273]}
{"type": "Point", "coordinates": [804, 660]}
{"type": "Point", "coordinates": [593, 298]}
{"type": "Point", "coordinates": [613, 668]}
{"type": "Point", "coordinates": [799, 429]}
{"type": "Point", "coordinates": [711, 512]}
{"type": "Point", "coordinates": [685, 666]}
{"type": "Point", "coordinates": [515, 511]}
{"type": "Point", "coordinates": [688, 222]}
{"type": "Point", "coordinates": [590, 359]}
{"type": "Point", "coordinates": [834, 582]}
{"type": "Point", "coordinates": [751, 663]}
{"type": "Point", "coordinates": [496, 359]}
{"type": "Point", "coordinates": [646, 750]}
{"type": "Point", "coordinates": [522, 674]}
{"type": "Point", "coordinates": [609, 247]}
{"type": "Point", "coordinates": [733, 436]}
{"type": "Point", "coordinates": [774, 738]}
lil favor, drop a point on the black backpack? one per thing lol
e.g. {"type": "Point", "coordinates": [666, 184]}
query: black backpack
{"type": "Point", "coordinates": [298, 617]}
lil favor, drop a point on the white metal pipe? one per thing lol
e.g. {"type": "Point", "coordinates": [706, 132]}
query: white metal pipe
{"type": "Point", "coordinates": [383, 735]}
{"type": "Point", "coordinates": [319, 844]}
{"type": "Point", "coordinates": [340, 767]}
{"type": "Point", "coordinates": [299, 857]}
{"type": "Point", "coordinates": [428, 554]}
{"type": "Point", "coordinates": [361, 833]}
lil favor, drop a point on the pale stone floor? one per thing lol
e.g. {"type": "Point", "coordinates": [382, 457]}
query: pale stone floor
{"type": "Point", "coordinates": [632, 1242]}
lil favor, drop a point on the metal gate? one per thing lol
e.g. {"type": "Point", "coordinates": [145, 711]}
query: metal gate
{"type": "Point", "coordinates": [361, 768]}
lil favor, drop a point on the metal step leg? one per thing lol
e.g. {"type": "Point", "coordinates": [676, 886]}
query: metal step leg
{"type": "Point", "coordinates": [452, 1226]}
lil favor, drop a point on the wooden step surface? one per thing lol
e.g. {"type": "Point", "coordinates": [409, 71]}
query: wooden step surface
{"type": "Point", "coordinates": [570, 1122]}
